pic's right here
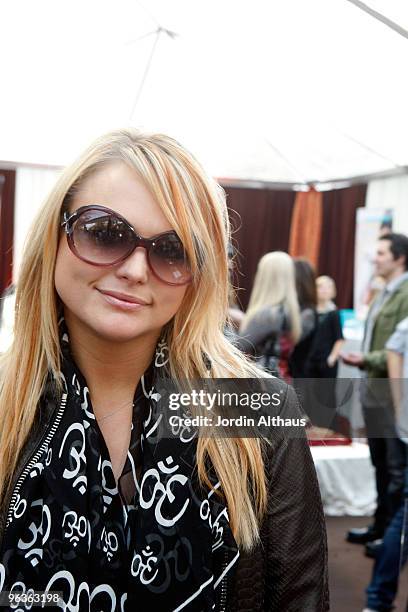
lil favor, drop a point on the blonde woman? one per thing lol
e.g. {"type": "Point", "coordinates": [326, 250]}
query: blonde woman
{"type": "Point", "coordinates": [125, 278]}
{"type": "Point", "coordinates": [272, 324]}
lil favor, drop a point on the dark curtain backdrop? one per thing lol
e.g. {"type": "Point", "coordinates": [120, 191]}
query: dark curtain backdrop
{"type": "Point", "coordinates": [262, 221]}
{"type": "Point", "coordinates": [337, 240]}
{"type": "Point", "coordinates": [261, 218]}
{"type": "Point", "coordinates": [7, 189]}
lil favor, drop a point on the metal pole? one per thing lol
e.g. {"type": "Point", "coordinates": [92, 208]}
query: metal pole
{"type": "Point", "coordinates": [380, 17]}
{"type": "Point", "coordinates": [149, 62]}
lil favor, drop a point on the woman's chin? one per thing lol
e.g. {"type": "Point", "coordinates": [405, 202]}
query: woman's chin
{"type": "Point", "coordinates": [123, 333]}
{"type": "Point", "coordinates": [118, 328]}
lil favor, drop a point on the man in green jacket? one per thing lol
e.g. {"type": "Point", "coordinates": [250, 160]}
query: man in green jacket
{"type": "Point", "coordinates": [386, 449]}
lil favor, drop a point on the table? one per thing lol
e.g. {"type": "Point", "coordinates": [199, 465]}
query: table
{"type": "Point", "coordinates": [346, 478]}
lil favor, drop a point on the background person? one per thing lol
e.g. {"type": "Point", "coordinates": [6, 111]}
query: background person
{"type": "Point", "coordinates": [272, 325]}
{"type": "Point", "coordinates": [299, 363]}
{"type": "Point", "coordinates": [323, 357]}
{"type": "Point", "coordinates": [328, 340]}
{"type": "Point", "coordinates": [386, 449]}
{"type": "Point", "coordinates": [326, 293]}
{"type": "Point", "coordinates": [393, 553]}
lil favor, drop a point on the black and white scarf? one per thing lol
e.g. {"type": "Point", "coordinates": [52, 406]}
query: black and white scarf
{"type": "Point", "coordinates": [157, 540]}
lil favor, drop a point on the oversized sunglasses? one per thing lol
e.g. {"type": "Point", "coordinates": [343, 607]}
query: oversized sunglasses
{"type": "Point", "coordinates": [101, 237]}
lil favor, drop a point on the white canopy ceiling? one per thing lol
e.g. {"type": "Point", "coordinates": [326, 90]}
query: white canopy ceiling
{"type": "Point", "coordinates": [275, 90]}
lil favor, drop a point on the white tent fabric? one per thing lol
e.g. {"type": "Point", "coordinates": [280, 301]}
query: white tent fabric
{"type": "Point", "coordinates": [281, 90]}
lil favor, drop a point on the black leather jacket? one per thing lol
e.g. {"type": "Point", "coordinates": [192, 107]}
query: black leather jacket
{"type": "Point", "coordinates": [287, 569]}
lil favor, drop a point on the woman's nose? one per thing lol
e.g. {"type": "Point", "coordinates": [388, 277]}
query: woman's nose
{"type": "Point", "coordinates": [136, 267]}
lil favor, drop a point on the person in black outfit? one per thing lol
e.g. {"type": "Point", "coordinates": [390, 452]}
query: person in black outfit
{"type": "Point", "coordinates": [306, 291]}
{"type": "Point", "coordinates": [329, 336]}
{"type": "Point", "coordinates": [324, 354]}
{"type": "Point", "coordinates": [323, 363]}
{"type": "Point", "coordinates": [299, 362]}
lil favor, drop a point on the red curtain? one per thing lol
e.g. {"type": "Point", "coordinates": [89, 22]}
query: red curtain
{"type": "Point", "coordinates": [261, 219]}
{"type": "Point", "coordinates": [7, 190]}
{"type": "Point", "coordinates": [337, 240]}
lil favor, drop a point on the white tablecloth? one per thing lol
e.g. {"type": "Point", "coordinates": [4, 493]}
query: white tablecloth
{"type": "Point", "coordinates": [346, 479]}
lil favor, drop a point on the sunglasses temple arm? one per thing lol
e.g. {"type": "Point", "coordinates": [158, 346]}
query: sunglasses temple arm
{"type": "Point", "coordinates": [66, 218]}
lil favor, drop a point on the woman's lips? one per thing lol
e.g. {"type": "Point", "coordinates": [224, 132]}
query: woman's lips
{"type": "Point", "coordinates": [122, 301]}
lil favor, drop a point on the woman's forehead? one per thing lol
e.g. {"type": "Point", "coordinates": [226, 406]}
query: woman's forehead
{"type": "Point", "coordinates": [120, 188]}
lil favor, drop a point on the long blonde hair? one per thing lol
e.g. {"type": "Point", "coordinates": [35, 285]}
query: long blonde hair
{"type": "Point", "coordinates": [195, 206]}
{"type": "Point", "coordinates": [275, 284]}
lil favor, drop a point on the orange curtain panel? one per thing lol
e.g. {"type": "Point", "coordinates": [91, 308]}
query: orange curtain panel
{"type": "Point", "coordinates": [306, 226]}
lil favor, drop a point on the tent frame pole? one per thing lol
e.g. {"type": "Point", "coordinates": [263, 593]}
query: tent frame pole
{"type": "Point", "coordinates": [380, 17]}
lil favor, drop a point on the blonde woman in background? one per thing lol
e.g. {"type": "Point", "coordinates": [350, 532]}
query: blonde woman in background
{"type": "Point", "coordinates": [272, 324]}
{"type": "Point", "coordinates": [124, 282]}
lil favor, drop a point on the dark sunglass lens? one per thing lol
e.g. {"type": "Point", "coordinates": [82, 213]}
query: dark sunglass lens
{"type": "Point", "coordinates": [102, 238]}
{"type": "Point", "coordinates": [169, 261]}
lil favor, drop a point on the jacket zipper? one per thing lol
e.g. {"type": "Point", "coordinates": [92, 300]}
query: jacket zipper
{"type": "Point", "coordinates": [34, 459]}
{"type": "Point", "coordinates": [224, 584]}
{"type": "Point", "coordinates": [223, 599]}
